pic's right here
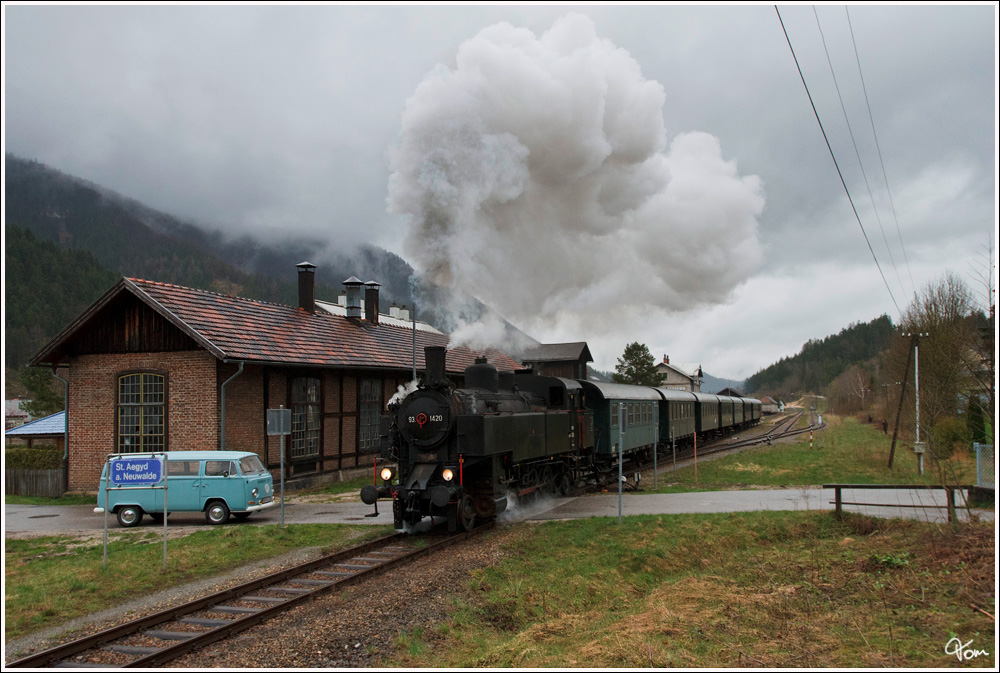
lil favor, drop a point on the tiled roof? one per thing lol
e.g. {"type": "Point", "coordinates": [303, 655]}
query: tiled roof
{"type": "Point", "coordinates": [50, 425]}
{"type": "Point", "coordinates": [557, 352]}
{"type": "Point", "coordinates": [236, 328]}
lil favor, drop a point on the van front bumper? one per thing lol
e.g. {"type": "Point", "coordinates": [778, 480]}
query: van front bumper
{"type": "Point", "coordinates": [257, 508]}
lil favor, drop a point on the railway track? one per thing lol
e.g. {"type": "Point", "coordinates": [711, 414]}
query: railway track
{"type": "Point", "coordinates": [784, 427]}
{"type": "Point", "coordinates": [166, 635]}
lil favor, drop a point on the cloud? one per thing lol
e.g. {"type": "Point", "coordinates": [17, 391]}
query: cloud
{"type": "Point", "coordinates": [536, 176]}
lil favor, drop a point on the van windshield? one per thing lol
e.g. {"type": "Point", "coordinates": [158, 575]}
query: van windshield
{"type": "Point", "coordinates": [251, 465]}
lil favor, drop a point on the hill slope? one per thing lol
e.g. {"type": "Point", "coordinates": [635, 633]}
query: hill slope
{"type": "Point", "coordinates": [821, 361]}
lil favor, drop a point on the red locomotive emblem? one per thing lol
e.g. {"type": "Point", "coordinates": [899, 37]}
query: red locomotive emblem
{"type": "Point", "coordinates": [421, 420]}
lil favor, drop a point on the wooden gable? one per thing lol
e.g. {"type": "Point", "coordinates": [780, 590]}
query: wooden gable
{"type": "Point", "coordinates": [119, 323]}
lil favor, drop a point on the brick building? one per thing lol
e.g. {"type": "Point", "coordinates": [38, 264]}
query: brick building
{"type": "Point", "coordinates": [154, 367]}
{"type": "Point", "coordinates": [680, 377]}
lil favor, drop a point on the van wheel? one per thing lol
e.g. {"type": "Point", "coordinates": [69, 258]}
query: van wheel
{"type": "Point", "coordinates": [217, 513]}
{"type": "Point", "coordinates": [129, 516]}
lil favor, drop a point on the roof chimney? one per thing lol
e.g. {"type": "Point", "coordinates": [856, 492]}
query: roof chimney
{"type": "Point", "coordinates": [353, 286]}
{"type": "Point", "coordinates": [371, 302]}
{"type": "Point", "coordinates": [307, 286]}
{"type": "Point", "coordinates": [666, 359]}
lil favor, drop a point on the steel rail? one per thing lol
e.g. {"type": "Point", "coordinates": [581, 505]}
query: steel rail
{"type": "Point", "coordinates": [189, 644]}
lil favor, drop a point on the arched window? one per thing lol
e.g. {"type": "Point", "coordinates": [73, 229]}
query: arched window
{"type": "Point", "coordinates": [141, 426]}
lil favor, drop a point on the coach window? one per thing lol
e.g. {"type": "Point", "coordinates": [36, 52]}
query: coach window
{"type": "Point", "coordinates": [305, 417]}
{"type": "Point", "coordinates": [141, 412]}
{"type": "Point", "coordinates": [371, 411]}
{"type": "Point", "coordinates": [614, 415]}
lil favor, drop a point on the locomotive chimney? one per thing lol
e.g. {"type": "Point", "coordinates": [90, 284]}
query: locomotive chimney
{"type": "Point", "coordinates": [371, 302]}
{"type": "Point", "coordinates": [434, 366]}
{"type": "Point", "coordinates": [307, 286]}
{"type": "Point", "coordinates": [353, 287]}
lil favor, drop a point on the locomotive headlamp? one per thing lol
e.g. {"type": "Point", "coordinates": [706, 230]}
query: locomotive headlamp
{"type": "Point", "coordinates": [448, 474]}
{"type": "Point", "coordinates": [386, 474]}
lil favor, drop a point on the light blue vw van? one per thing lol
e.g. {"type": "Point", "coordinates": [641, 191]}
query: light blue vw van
{"type": "Point", "coordinates": [218, 483]}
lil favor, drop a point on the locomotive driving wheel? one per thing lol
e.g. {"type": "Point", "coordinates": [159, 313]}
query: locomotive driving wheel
{"type": "Point", "coordinates": [467, 513]}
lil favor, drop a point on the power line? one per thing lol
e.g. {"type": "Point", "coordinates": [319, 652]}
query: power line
{"type": "Point", "coordinates": [854, 142]}
{"type": "Point", "coordinates": [836, 165]}
{"type": "Point", "coordinates": [885, 176]}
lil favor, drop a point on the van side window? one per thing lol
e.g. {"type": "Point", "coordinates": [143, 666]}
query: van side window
{"type": "Point", "coordinates": [182, 468]}
{"type": "Point", "coordinates": [217, 468]}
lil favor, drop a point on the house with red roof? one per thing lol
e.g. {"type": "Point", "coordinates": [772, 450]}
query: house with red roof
{"type": "Point", "coordinates": [157, 367]}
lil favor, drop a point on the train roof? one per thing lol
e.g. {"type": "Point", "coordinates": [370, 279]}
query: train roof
{"type": "Point", "coordinates": [535, 382]}
{"type": "Point", "coordinates": [670, 395]}
{"type": "Point", "coordinates": [621, 391]}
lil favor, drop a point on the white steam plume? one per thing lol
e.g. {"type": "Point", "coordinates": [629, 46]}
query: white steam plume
{"type": "Point", "coordinates": [537, 177]}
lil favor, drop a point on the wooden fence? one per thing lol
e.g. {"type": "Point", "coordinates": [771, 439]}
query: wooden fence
{"type": "Point", "coordinates": [44, 483]}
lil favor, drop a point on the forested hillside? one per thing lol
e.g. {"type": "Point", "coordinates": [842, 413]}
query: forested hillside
{"type": "Point", "coordinates": [68, 241]}
{"type": "Point", "coordinates": [45, 287]}
{"type": "Point", "coordinates": [821, 361]}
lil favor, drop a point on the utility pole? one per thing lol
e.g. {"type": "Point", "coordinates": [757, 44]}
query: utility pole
{"type": "Point", "coordinates": [899, 409]}
{"type": "Point", "coordinates": [918, 447]}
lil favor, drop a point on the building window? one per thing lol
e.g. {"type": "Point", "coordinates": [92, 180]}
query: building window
{"type": "Point", "coordinates": [141, 413]}
{"type": "Point", "coordinates": [371, 412]}
{"type": "Point", "coordinates": [306, 417]}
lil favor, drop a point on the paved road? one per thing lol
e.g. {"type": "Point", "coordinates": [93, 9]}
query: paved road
{"type": "Point", "coordinates": [20, 519]}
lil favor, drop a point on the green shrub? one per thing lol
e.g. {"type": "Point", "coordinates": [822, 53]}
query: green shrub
{"type": "Point", "coordinates": [38, 457]}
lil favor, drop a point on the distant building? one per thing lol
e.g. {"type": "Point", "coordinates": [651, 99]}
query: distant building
{"type": "Point", "coordinates": [14, 416]}
{"type": "Point", "coordinates": [568, 361]}
{"type": "Point", "coordinates": [48, 430]}
{"type": "Point", "coordinates": [680, 377]}
{"type": "Point", "coordinates": [769, 405]}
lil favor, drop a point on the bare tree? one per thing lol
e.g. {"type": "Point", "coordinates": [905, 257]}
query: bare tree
{"type": "Point", "coordinates": [944, 311]}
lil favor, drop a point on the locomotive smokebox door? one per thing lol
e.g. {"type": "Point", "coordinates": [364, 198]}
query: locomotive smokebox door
{"type": "Point", "coordinates": [425, 418]}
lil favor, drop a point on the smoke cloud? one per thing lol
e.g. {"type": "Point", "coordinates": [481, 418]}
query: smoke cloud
{"type": "Point", "coordinates": [538, 177]}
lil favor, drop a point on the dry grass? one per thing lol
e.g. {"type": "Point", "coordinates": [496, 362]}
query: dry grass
{"type": "Point", "coordinates": [790, 590]}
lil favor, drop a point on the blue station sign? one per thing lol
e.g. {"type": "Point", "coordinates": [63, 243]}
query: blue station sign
{"type": "Point", "coordinates": [136, 471]}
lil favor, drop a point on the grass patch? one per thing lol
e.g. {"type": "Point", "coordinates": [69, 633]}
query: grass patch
{"type": "Point", "coordinates": [336, 488]}
{"type": "Point", "coordinates": [51, 580]}
{"type": "Point", "coordinates": [774, 589]}
{"type": "Point", "coordinates": [845, 452]}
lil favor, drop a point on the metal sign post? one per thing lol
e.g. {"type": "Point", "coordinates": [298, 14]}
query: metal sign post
{"type": "Point", "coordinates": [279, 422]}
{"type": "Point", "coordinates": [656, 434]}
{"type": "Point", "coordinates": [622, 415]}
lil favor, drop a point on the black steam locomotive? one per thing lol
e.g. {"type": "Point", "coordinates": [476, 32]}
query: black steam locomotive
{"type": "Point", "coordinates": [462, 452]}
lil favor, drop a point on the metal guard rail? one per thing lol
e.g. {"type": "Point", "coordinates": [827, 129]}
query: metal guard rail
{"type": "Point", "coordinates": [950, 494]}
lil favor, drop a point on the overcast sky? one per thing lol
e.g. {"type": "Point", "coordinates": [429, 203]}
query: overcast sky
{"type": "Point", "coordinates": [606, 174]}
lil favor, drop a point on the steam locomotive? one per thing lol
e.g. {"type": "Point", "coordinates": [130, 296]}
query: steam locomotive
{"type": "Point", "coordinates": [462, 452]}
